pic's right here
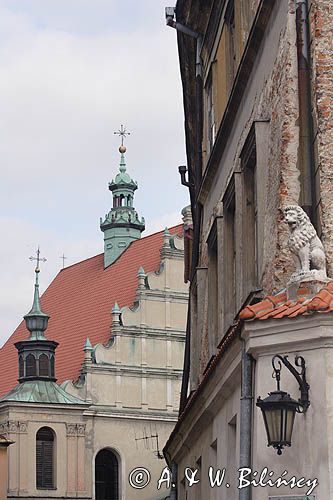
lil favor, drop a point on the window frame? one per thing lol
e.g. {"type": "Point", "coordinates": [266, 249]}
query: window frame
{"type": "Point", "coordinates": [41, 461]}
{"type": "Point", "coordinates": [229, 261]}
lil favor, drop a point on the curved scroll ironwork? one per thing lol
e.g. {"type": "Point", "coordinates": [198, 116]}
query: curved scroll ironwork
{"type": "Point", "coordinates": [300, 376]}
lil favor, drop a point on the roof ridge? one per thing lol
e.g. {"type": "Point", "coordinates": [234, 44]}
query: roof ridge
{"type": "Point", "coordinates": [71, 300]}
{"type": "Point", "coordinates": [101, 253]}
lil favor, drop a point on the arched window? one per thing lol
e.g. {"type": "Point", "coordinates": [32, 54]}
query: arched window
{"type": "Point", "coordinates": [21, 367]}
{"type": "Point", "coordinates": [52, 366]}
{"type": "Point", "coordinates": [45, 459]}
{"type": "Point", "coordinates": [30, 366]}
{"type": "Point", "coordinates": [106, 476]}
{"type": "Point", "coordinates": [43, 365]}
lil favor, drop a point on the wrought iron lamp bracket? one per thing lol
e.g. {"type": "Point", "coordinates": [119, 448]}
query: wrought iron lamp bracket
{"type": "Point", "coordinates": [300, 376]}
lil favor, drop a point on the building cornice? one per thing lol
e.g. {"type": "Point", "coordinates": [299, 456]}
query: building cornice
{"type": "Point", "coordinates": [165, 295]}
{"type": "Point", "coordinates": [127, 414]}
{"type": "Point", "coordinates": [134, 371]}
{"type": "Point", "coordinates": [288, 334]}
{"type": "Point", "coordinates": [146, 332]}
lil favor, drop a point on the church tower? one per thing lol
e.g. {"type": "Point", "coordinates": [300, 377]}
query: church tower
{"type": "Point", "coordinates": [121, 225]}
{"type": "Point", "coordinates": [36, 354]}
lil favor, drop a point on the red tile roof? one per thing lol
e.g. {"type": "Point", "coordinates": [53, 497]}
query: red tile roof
{"type": "Point", "coordinates": [278, 306]}
{"type": "Point", "coordinates": [79, 301]}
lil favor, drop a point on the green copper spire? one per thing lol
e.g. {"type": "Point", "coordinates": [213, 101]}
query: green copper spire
{"type": "Point", "coordinates": [121, 225]}
{"type": "Point", "coordinates": [36, 320]}
{"type": "Point", "coordinates": [122, 166]}
{"type": "Point", "coordinates": [87, 345]}
{"type": "Point", "coordinates": [36, 354]}
{"type": "Point", "coordinates": [115, 309]}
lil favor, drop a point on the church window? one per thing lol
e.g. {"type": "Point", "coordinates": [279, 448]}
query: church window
{"type": "Point", "coordinates": [21, 367]}
{"type": "Point", "coordinates": [106, 476]}
{"type": "Point", "coordinates": [52, 366]}
{"type": "Point", "coordinates": [30, 366]}
{"type": "Point", "coordinates": [43, 365]}
{"type": "Point", "coordinates": [45, 459]}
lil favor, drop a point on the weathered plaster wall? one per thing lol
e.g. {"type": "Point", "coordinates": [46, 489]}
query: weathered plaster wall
{"type": "Point", "coordinates": [272, 96]}
{"type": "Point", "coordinates": [279, 102]}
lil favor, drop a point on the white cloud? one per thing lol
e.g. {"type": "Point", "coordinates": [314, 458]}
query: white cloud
{"type": "Point", "coordinates": [64, 88]}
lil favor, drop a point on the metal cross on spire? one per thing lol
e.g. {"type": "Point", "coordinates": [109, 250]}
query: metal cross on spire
{"type": "Point", "coordinates": [38, 259]}
{"type": "Point", "coordinates": [122, 133]}
{"type": "Point", "coordinates": [63, 257]}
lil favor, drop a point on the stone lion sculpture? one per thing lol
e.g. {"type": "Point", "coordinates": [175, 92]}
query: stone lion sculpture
{"type": "Point", "coordinates": [306, 247]}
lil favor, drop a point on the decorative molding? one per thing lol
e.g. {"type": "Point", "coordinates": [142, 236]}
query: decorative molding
{"type": "Point", "coordinates": [154, 333]}
{"type": "Point", "coordinates": [76, 430]}
{"type": "Point", "coordinates": [81, 430]}
{"type": "Point", "coordinates": [71, 430]}
{"type": "Point", "coordinates": [14, 427]}
{"type": "Point", "coordinates": [162, 295]}
{"type": "Point", "coordinates": [143, 371]}
{"type": "Point", "coordinates": [121, 413]}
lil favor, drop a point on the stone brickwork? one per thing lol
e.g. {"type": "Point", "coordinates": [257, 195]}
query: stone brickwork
{"type": "Point", "coordinates": [321, 19]}
{"type": "Point", "coordinates": [279, 101]}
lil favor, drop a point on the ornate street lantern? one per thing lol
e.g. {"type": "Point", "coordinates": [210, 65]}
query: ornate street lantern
{"type": "Point", "coordinates": [279, 409]}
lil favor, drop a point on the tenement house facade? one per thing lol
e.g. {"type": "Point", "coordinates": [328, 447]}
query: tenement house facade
{"type": "Point", "coordinates": [257, 87]}
{"type": "Point", "coordinates": [99, 362]}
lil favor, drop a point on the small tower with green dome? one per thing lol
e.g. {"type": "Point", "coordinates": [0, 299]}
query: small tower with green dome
{"type": "Point", "coordinates": [121, 225]}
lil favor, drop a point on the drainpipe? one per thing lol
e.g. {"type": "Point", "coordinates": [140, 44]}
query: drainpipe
{"type": "Point", "coordinates": [246, 410]}
{"type": "Point", "coordinates": [306, 153]}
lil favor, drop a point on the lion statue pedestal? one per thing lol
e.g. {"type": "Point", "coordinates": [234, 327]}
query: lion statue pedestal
{"type": "Point", "coordinates": [307, 250]}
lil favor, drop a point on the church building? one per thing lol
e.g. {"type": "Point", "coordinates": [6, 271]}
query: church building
{"type": "Point", "coordinates": [90, 380]}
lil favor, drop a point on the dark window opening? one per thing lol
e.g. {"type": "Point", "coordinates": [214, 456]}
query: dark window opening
{"type": "Point", "coordinates": [213, 305]}
{"type": "Point", "coordinates": [52, 366]}
{"type": "Point", "coordinates": [30, 366]}
{"type": "Point", "coordinates": [43, 365]}
{"type": "Point", "coordinates": [106, 476]}
{"type": "Point", "coordinates": [229, 261]}
{"type": "Point", "coordinates": [21, 367]}
{"type": "Point", "coordinates": [45, 459]}
{"type": "Point", "coordinates": [231, 47]}
{"type": "Point", "coordinates": [211, 128]}
{"type": "Point", "coordinates": [249, 260]}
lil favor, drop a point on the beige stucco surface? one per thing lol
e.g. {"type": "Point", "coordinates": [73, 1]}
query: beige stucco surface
{"type": "Point", "coordinates": [131, 389]}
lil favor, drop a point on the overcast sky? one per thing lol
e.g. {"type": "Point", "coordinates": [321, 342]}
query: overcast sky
{"type": "Point", "coordinates": [71, 71]}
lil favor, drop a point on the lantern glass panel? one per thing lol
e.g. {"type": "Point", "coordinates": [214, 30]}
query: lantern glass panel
{"type": "Point", "coordinates": [273, 420]}
{"type": "Point", "coordinates": [289, 424]}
